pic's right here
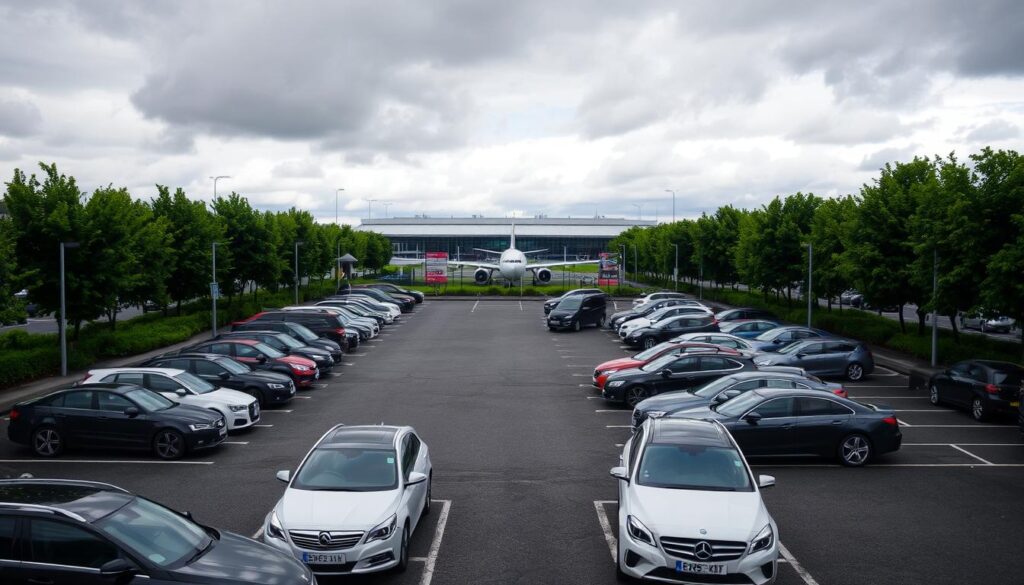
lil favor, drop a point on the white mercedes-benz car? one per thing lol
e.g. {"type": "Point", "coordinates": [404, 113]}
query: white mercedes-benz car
{"type": "Point", "coordinates": [663, 313]}
{"type": "Point", "coordinates": [240, 410]}
{"type": "Point", "coordinates": [690, 509]}
{"type": "Point", "coordinates": [354, 501]}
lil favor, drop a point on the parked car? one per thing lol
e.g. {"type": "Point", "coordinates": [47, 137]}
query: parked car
{"type": "Point", "coordinates": [824, 357]}
{"type": "Point", "coordinates": [744, 313]}
{"type": "Point", "coordinates": [986, 323]}
{"type": "Point", "coordinates": [722, 339]}
{"type": "Point", "coordinates": [668, 328]}
{"type": "Point", "coordinates": [322, 324]}
{"type": "Point", "coordinates": [642, 311]}
{"type": "Point", "coordinates": [552, 303]}
{"type": "Point", "coordinates": [776, 339]}
{"type": "Point", "coordinates": [852, 298]}
{"type": "Point", "coordinates": [984, 387]}
{"type": "Point", "coordinates": [239, 410]}
{"type": "Point", "coordinates": [73, 532]}
{"type": "Point", "coordinates": [577, 312]}
{"type": "Point", "coordinates": [690, 510]}
{"type": "Point", "coordinates": [354, 501]}
{"type": "Point", "coordinates": [726, 388]}
{"type": "Point", "coordinates": [382, 315]}
{"type": "Point", "coordinates": [151, 305]}
{"type": "Point", "coordinates": [370, 304]}
{"type": "Point", "coordinates": [266, 387]}
{"type": "Point", "coordinates": [805, 422]}
{"type": "Point", "coordinates": [663, 313]}
{"type": "Point", "coordinates": [605, 369]}
{"type": "Point", "coordinates": [261, 356]}
{"type": "Point", "coordinates": [355, 332]}
{"type": "Point", "coordinates": [391, 288]}
{"type": "Point", "coordinates": [404, 304]}
{"type": "Point", "coordinates": [670, 373]}
{"type": "Point", "coordinates": [657, 296]}
{"type": "Point", "coordinates": [286, 344]}
{"type": "Point", "coordinates": [747, 328]}
{"type": "Point", "coordinates": [299, 332]}
{"type": "Point", "coordinates": [120, 416]}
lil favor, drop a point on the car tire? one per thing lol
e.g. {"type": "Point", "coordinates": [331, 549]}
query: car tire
{"type": "Point", "coordinates": [979, 409]}
{"type": "Point", "coordinates": [634, 395]}
{"type": "Point", "coordinates": [855, 372]}
{"type": "Point", "coordinates": [550, 328]}
{"type": "Point", "coordinates": [403, 551]}
{"type": "Point", "coordinates": [255, 393]}
{"type": "Point", "coordinates": [47, 442]}
{"type": "Point", "coordinates": [648, 342]}
{"type": "Point", "coordinates": [933, 395]}
{"type": "Point", "coordinates": [169, 444]}
{"type": "Point", "coordinates": [426, 504]}
{"type": "Point", "coordinates": [577, 326]}
{"type": "Point", "coordinates": [854, 450]}
{"type": "Point", "coordinates": [600, 322]}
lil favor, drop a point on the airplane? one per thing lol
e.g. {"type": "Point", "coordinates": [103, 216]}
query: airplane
{"type": "Point", "coordinates": [512, 265]}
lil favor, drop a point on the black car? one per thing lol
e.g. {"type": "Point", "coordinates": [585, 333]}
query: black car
{"type": "Point", "coordinates": [552, 303]}
{"type": "Point", "coordinates": [391, 288]}
{"type": "Point", "coordinates": [122, 416]}
{"type": "Point", "coordinates": [322, 324]}
{"type": "Point", "coordinates": [805, 422]}
{"type": "Point", "coordinates": [266, 387]}
{"type": "Point", "coordinates": [299, 332]}
{"type": "Point", "coordinates": [744, 313]}
{"type": "Point", "coordinates": [355, 333]}
{"type": "Point", "coordinates": [983, 387]}
{"type": "Point", "coordinates": [643, 311]}
{"type": "Point", "coordinates": [324, 359]}
{"type": "Point", "coordinates": [666, 329]}
{"type": "Point", "coordinates": [362, 307]}
{"type": "Point", "coordinates": [576, 312]}
{"type": "Point", "coordinates": [68, 532]}
{"type": "Point", "coordinates": [672, 372]}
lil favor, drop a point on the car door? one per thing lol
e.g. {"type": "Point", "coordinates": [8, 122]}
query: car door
{"type": "Point", "coordinates": [672, 326]}
{"type": "Point", "coordinates": [213, 373]}
{"type": "Point", "coordinates": [956, 387]}
{"type": "Point", "coordinates": [811, 357]}
{"type": "Point", "coordinates": [166, 387]}
{"type": "Point", "coordinates": [678, 377]}
{"type": "Point", "coordinates": [977, 378]}
{"type": "Point", "coordinates": [837, 357]}
{"type": "Point", "coordinates": [820, 424]}
{"type": "Point", "coordinates": [120, 429]}
{"type": "Point", "coordinates": [773, 433]}
{"type": "Point", "coordinates": [250, 356]}
{"type": "Point", "coordinates": [713, 367]}
{"type": "Point", "coordinates": [11, 567]}
{"type": "Point", "coordinates": [60, 553]}
{"type": "Point", "coordinates": [586, 314]}
{"type": "Point", "coordinates": [415, 495]}
{"type": "Point", "coordinates": [77, 416]}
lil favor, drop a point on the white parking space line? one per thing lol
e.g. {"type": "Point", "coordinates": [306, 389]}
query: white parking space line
{"type": "Point", "coordinates": [617, 427]}
{"type": "Point", "coordinates": [904, 423]}
{"type": "Point", "coordinates": [235, 443]}
{"type": "Point", "coordinates": [478, 302]}
{"type": "Point", "coordinates": [837, 466]}
{"type": "Point", "coordinates": [435, 546]}
{"type": "Point", "coordinates": [919, 426]}
{"type": "Point", "coordinates": [963, 444]}
{"type": "Point", "coordinates": [108, 461]}
{"type": "Point", "coordinates": [520, 305]}
{"type": "Point", "coordinates": [606, 527]}
{"type": "Point", "coordinates": [593, 397]}
{"type": "Point", "coordinates": [256, 535]}
{"type": "Point", "coordinates": [966, 452]}
{"type": "Point", "coordinates": [299, 398]}
{"type": "Point", "coordinates": [418, 559]}
{"type": "Point", "coordinates": [316, 386]}
{"type": "Point", "coordinates": [879, 386]}
{"type": "Point", "coordinates": [615, 410]}
{"type": "Point", "coordinates": [264, 426]}
{"type": "Point", "coordinates": [889, 375]}
{"type": "Point", "coordinates": [582, 375]}
{"type": "Point", "coordinates": [578, 366]}
{"type": "Point", "coordinates": [800, 570]}
{"type": "Point", "coordinates": [282, 410]}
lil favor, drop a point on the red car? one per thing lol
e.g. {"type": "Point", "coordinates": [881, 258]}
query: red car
{"type": "Point", "coordinates": [602, 370]}
{"type": "Point", "coordinates": [261, 356]}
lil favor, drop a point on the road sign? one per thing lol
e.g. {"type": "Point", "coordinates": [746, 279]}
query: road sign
{"type": "Point", "coordinates": [608, 269]}
{"type": "Point", "coordinates": [214, 290]}
{"type": "Point", "coordinates": [436, 264]}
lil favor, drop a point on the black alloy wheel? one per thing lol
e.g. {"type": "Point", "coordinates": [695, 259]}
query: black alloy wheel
{"type": "Point", "coordinates": [854, 450]}
{"type": "Point", "coordinates": [649, 342]}
{"type": "Point", "coordinates": [577, 325]}
{"type": "Point", "coordinates": [47, 442]}
{"type": "Point", "coordinates": [169, 444]}
{"type": "Point", "coordinates": [933, 395]}
{"type": "Point", "coordinates": [635, 394]}
{"type": "Point", "coordinates": [979, 408]}
{"type": "Point", "coordinates": [855, 372]}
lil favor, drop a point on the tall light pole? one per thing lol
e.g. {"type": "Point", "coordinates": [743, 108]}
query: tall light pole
{"type": "Point", "coordinates": [639, 210]}
{"type": "Point", "coordinates": [636, 262]}
{"type": "Point", "coordinates": [369, 207]}
{"type": "Point", "coordinates": [675, 271]}
{"type": "Point", "coordinates": [336, 193]}
{"type": "Point", "coordinates": [63, 311]}
{"type": "Point", "coordinates": [622, 268]}
{"type": "Point", "coordinates": [673, 204]}
{"type": "Point", "coordinates": [935, 310]}
{"type": "Point", "coordinates": [214, 290]}
{"type": "Point", "coordinates": [386, 205]}
{"type": "Point", "coordinates": [297, 244]}
{"type": "Point", "coordinates": [215, 179]}
{"type": "Point", "coordinates": [810, 287]}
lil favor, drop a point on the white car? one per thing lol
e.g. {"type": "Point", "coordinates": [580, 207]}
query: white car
{"type": "Point", "coordinates": [690, 510]}
{"type": "Point", "coordinates": [663, 313]}
{"type": "Point", "coordinates": [657, 296]}
{"type": "Point", "coordinates": [240, 410]}
{"type": "Point", "coordinates": [723, 339]}
{"type": "Point", "coordinates": [354, 501]}
{"type": "Point", "coordinates": [369, 323]}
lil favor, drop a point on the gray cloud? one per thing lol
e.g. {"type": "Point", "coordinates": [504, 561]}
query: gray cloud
{"type": "Point", "coordinates": [993, 131]}
{"type": "Point", "coordinates": [19, 117]}
{"type": "Point", "coordinates": [877, 159]}
{"type": "Point", "coordinates": [297, 169]}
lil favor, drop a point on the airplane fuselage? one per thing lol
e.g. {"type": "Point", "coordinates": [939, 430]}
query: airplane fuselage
{"type": "Point", "coordinates": [512, 265]}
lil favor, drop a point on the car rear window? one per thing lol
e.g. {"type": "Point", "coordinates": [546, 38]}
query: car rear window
{"type": "Point", "coordinates": [1007, 376]}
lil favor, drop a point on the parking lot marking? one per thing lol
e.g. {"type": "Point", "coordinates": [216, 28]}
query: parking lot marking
{"type": "Point", "coordinates": [108, 461]}
{"type": "Point", "coordinates": [606, 527]}
{"type": "Point", "coordinates": [256, 535]}
{"type": "Point", "coordinates": [302, 397]}
{"type": "Point", "coordinates": [284, 410]}
{"type": "Point", "coordinates": [904, 423]}
{"type": "Point", "coordinates": [321, 385]}
{"type": "Point", "coordinates": [617, 427]}
{"type": "Point", "coordinates": [356, 354]}
{"type": "Point", "coordinates": [800, 570]}
{"type": "Point", "coordinates": [418, 559]}
{"type": "Point", "coordinates": [612, 410]}
{"type": "Point", "coordinates": [578, 366]}
{"type": "Point", "coordinates": [435, 546]}
{"type": "Point", "coordinates": [235, 443]}
{"type": "Point", "coordinates": [880, 386]}
{"type": "Point", "coordinates": [837, 466]}
{"type": "Point", "coordinates": [964, 444]}
{"type": "Point", "coordinates": [474, 307]}
{"type": "Point", "coordinates": [889, 375]}
{"type": "Point", "coordinates": [977, 426]}
{"type": "Point", "coordinates": [582, 375]}
{"type": "Point", "coordinates": [966, 452]}
{"type": "Point", "coordinates": [520, 305]}
{"type": "Point", "coordinates": [264, 426]}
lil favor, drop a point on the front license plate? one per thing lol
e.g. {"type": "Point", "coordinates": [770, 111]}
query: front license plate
{"type": "Point", "coordinates": [1015, 403]}
{"type": "Point", "coordinates": [700, 568]}
{"type": "Point", "coordinates": [323, 559]}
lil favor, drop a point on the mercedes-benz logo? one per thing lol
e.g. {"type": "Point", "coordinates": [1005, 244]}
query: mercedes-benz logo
{"type": "Point", "coordinates": [325, 538]}
{"type": "Point", "coordinates": [703, 550]}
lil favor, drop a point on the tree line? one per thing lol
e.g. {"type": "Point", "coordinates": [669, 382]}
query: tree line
{"type": "Point", "coordinates": [965, 219]}
{"type": "Point", "coordinates": [131, 251]}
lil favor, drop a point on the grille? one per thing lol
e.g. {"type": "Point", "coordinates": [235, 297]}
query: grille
{"type": "Point", "coordinates": [721, 550]}
{"type": "Point", "coordinates": [254, 411]}
{"type": "Point", "coordinates": [310, 539]}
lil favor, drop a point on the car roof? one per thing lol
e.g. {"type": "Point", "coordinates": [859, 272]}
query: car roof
{"type": "Point", "coordinates": [746, 375]}
{"type": "Point", "coordinates": [142, 369]}
{"type": "Point", "coordinates": [116, 387]}
{"type": "Point", "coordinates": [683, 431]}
{"type": "Point", "coordinates": [88, 500]}
{"type": "Point", "coordinates": [240, 340]}
{"type": "Point", "coordinates": [1001, 366]}
{"type": "Point", "coordinates": [368, 436]}
{"type": "Point", "coordinates": [193, 354]}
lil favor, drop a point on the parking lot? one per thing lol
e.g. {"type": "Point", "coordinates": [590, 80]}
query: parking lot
{"type": "Point", "coordinates": [522, 444]}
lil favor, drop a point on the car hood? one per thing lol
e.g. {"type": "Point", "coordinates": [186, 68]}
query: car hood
{"type": "Point", "coordinates": [619, 364]}
{"type": "Point", "coordinates": [701, 412]}
{"type": "Point", "coordinates": [236, 559]}
{"type": "Point", "coordinates": [623, 314]}
{"type": "Point", "coordinates": [641, 330]}
{"type": "Point", "coordinates": [672, 401]}
{"type": "Point", "coordinates": [264, 376]}
{"type": "Point", "coordinates": [187, 413]}
{"type": "Point", "coordinates": [636, 323]}
{"type": "Point", "coordinates": [299, 361]}
{"type": "Point", "coordinates": [628, 373]}
{"type": "Point", "coordinates": [318, 351]}
{"type": "Point", "coordinates": [224, 396]}
{"type": "Point", "coordinates": [736, 516]}
{"type": "Point", "coordinates": [328, 510]}
{"type": "Point", "coordinates": [562, 312]}
{"type": "Point", "coordinates": [769, 358]}
{"type": "Point", "coordinates": [326, 344]}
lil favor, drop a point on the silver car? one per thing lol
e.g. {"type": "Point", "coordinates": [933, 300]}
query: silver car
{"type": "Point", "coordinates": [1000, 324]}
{"type": "Point", "coordinates": [824, 357]}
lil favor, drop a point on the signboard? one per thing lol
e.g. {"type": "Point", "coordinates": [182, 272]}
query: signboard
{"type": "Point", "coordinates": [608, 269]}
{"type": "Point", "coordinates": [214, 290]}
{"type": "Point", "coordinates": [436, 265]}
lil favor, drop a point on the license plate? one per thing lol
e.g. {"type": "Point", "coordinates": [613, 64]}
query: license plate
{"type": "Point", "coordinates": [323, 559]}
{"type": "Point", "coordinates": [700, 568]}
{"type": "Point", "coordinates": [1015, 403]}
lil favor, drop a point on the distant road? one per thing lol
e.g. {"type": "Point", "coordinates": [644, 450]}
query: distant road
{"type": "Point", "coordinates": [49, 324]}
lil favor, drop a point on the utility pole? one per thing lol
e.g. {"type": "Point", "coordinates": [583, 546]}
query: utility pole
{"type": "Point", "coordinates": [63, 312]}
{"type": "Point", "coordinates": [700, 278]}
{"type": "Point", "coordinates": [215, 179]}
{"type": "Point", "coordinates": [214, 291]}
{"type": "Point", "coordinates": [622, 267]}
{"type": "Point", "coordinates": [673, 204]}
{"type": "Point", "coordinates": [369, 207]}
{"type": "Point", "coordinates": [386, 205]}
{"type": "Point", "coordinates": [675, 270]}
{"type": "Point", "coordinates": [935, 311]}
{"type": "Point", "coordinates": [810, 288]}
{"type": "Point", "coordinates": [297, 244]}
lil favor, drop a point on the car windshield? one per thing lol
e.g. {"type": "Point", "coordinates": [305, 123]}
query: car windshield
{"type": "Point", "coordinates": [149, 400]}
{"type": "Point", "coordinates": [232, 366]}
{"type": "Point", "coordinates": [649, 353]}
{"type": "Point", "coordinates": [195, 383]}
{"type": "Point", "coordinates": [693, 467]}
{"type": "Point", "coordinates": [287, 340]}
{"type": "Point", "coordinates": [659, 364]}
{"type": "Point", "coordinates": [769, 335]}
{"type": "Point", "coordinates": [1007, 375]}
{"type": "Point", "coordinates": [268, 351]}
{"type": "Point", "coordinates": [793, 348]}
{"type": "Point", "coordinates": [348, 469]}
{"type": "Point", "coordinates": [713, 387]}
{"type": "Point", "coordinates": [738, 405]}
{"type": "Point", "coordinates": [155, 533]}
{"type": "Point", "coordinates": [304, 332]}
{"type": "Point", "coordinates": [571, 303]}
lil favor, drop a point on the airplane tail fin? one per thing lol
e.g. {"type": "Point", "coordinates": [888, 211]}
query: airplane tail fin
{"type": "Point", "coordinates": [512, 244]}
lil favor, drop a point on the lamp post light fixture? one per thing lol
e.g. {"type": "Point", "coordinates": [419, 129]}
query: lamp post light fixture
{"type": "Point", "coordinates": [215, 179]}
{"type": "Point", "coordinates": [63, 311]}
{"type": "Point", "coordinates": [386, 205]}
{"type": "Point", "coordinates": [673, 204]}
{"type": "Point", "coordinates": [297, 244]}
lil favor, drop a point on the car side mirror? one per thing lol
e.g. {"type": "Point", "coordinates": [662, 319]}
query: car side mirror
{"type": "Point", "coordinates": [132, 411]}
{"type": "Point", "coordinates": [752, 418]}
{"type": "Point", "coordinates": [181, 392]}
{"type": "Point", "coordinates": [284, 475]}
{"type": "Point", "coordinates": [777, 341]}
{"type": "Point", "coordinates": [619, 473]}
{"type": "Point", "coordinates": [262, 359]}
{"type": "Point", "coordinates": [720, 398]}
{"type": "Point", "coordinates": [765, 481]}
{"type": "Point", "coordinates": [666, 373]}
{"type": "Point", "coordinates": [223, 375]}
{"type": "Point", "coordinates": [118, 569]}
{"type": "Point", "coordinates": [801, 355]}
{"type": "Point", "coordinates": [416, 477]}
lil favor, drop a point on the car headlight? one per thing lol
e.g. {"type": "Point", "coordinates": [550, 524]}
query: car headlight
{"type": "Point", "coordinates": [276, 386]}
{"type": "Point", "coordinates": [762, 362]}
{"type": "Point", "coordinates": [237, 407]}
{"type": "Point", "coordinates": [638, 531]}
{"type": "Point", "coordinates": [615, 384]}
{"type": "Point", "coordinates": [300, 368]}
{"type": "Point", "coordinates": [201, 426]}
{"type": "Point", "coordinates": [274, 528]}
{"type": "Point", "coordinates": [763, 540]}
{"type": "Point", "coordinates": [384, 530]}
{"type": "Point", "coordinates": [655, 413]}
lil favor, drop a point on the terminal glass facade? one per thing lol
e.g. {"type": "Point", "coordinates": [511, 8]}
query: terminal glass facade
{"type": "Point", "coordinates": [574, 248]}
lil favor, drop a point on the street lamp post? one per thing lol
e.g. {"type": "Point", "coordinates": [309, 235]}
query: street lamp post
{"type": "Point", "coordinates": [369, 207]}
{"type": "Point", "coordinates": [63, 312]}
{"type": "Point", "coordinates": [622, 268]}
{"type": "Point", "coordinates": [297, 244]}
{"type": "Point", "coordinates": [386, 205]}
{"type": "Point", "coordinates": [639, 210]}
{"type": "Point", "coordinates": [214, 290]}
{"type": "Point", "coordinates": [935, 311]}
{"type": "Point", "coordinates": [675, 270]}
{"type": "Point", "coordinates": [673, 204]}
{"type": "Point", "coordinates": [215, 179]}
{"type": "Point", "coordinates": [810, 287]}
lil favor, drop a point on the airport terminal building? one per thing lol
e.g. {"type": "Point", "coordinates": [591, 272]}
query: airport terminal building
{"type": "Point", "coordinates": [574, 238]}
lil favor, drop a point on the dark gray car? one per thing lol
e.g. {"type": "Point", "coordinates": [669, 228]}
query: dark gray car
{"type": "Point", "coordinates": [824, 357]}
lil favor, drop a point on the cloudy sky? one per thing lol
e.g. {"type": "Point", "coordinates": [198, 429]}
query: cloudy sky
{"type": "Point", "coordinates": [470, 107]}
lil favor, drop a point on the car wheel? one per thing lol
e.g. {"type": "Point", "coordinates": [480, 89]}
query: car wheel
{"type": "Point", "coordinates": [600, 322]}
{"type": "Point", "coordinates": [47, 442]}
{"type": "Point", "coordinates": [550, 328]}
{"type": "Point", "coordinates": [854, 450]}
{"type": "Point", "coordinates": [257, 395]}
{"type": "Point", "coordinates": [649, 342]}
{"type": "Point", "coordinates": [933, 395]}
{"type": "Point", "coordinates": [577, 326]}
{"type": "Point", "coordinates": [169, 444]}
{"type": "Point", "coordinates": [979, 409]}
{"type": "Point", "coordinates": [403, 553]}
{"type": "Point", "coordinates": [854, 372]}
{"type": "Point", "coordinates": [634, 395]}
{"type": "Point", "coordinates": [426, 504]}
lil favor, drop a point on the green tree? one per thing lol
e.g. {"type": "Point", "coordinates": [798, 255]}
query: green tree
{"type": "Point", "coordinates": [192, 229]}
{"type": "Point", "coordinates": [829, 236]}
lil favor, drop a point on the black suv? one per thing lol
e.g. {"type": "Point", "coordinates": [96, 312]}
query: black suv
{"type": "Point", "coordinates": [390, 288]}
{"type": "Point", "coordinates": [672, 372]}
{"type": "Point", "coordinates": [220, 370]}
{"type": "Point", "coordinates": [298, 332]}
{"type": "Point", "coordinates": [323, 324]}
{"type": "Point", "coordinates": [576, 312]}
{"type": "Point", "coordinates": [68, 532]}
{"type": "Point", "coordinates": [552, 303]}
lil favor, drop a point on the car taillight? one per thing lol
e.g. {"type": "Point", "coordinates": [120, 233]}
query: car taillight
{"type": "Point", "coordinates": [340, 331]}
{"type": "Point", "coordinates": [991, 388]}
{"type": "Point", "coordinates": [841, 392]}
{"type": "Point", "coordinates": [14, 414]}
{"type": "Point", "coordinates": [891, 420]}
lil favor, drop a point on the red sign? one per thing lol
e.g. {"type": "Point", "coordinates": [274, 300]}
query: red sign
{"type": "Point", "coordinates": [608, 269]}
{"type": "Point", "coordinates": [436, 265]}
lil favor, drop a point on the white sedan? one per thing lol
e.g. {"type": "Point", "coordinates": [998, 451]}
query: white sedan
{"type": "Point", "coordinates": [354, 501]}
{"type": "Point", "coordinates": [240, 410]}
{"type": "Point", "coordinates": [690, 509]}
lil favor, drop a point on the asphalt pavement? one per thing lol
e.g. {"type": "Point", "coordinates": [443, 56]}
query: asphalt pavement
{"type": "Point", "coordinates": [48, 324]}
{"type": "Point", "coordinates": [522, 445]}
